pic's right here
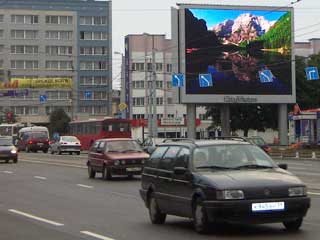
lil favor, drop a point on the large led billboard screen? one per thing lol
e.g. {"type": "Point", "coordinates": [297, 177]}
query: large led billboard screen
{"type": "Point", "coordinates": [246, 51]}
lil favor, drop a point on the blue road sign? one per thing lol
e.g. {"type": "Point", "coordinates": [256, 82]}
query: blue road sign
{"type": "Point", "coordinates": [88, 94]}
{"type": "Point", "coordinates": [205, 80]}
{"type": "Point", "coordinates": [312, 73]}
{"type": "Point", "coordinates": [56, 136]}
{"type": "Point", "coordinates": [43, 98]}
{"type": "Point", "coordinates": [266, 76]}
{"type": "Point", "coordinates": [177, 80]}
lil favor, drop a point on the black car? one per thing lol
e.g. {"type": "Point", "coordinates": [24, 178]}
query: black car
{"type": "Point", "coordinates": [218, 181]}
{"type": "Point", "coordinates": [7, 150]}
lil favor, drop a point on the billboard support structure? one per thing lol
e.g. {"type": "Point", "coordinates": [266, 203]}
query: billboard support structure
{"type": "Point", "coordinates": [225, 119]}
{"type": "Point", "coordinates": [191, 122]}
{"type": "Point", "coordinates": [283, 124]}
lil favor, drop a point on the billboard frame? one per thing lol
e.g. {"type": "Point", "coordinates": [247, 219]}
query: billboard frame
{"type": "Point", "coordinates": [179, 39]}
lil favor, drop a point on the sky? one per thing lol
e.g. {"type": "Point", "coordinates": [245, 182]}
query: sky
{"type": "Point", "coordinates": [153, 16]}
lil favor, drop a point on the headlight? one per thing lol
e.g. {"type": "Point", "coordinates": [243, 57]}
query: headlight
{"type": "Point", "coordinates": [297, 191]}
{"type": "Point", "coordinates": [13, 151]}
{"type": "Point", "coordinates": [123, 162]}
{"type": "Point", "coordinates": [230, 194]}
{"type": "Point", "coordinates": [116, 162]}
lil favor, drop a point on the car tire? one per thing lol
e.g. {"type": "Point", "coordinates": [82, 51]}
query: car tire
{"type": "Point", "coordinates": [7, 161]}
{"type": "Point", "coordinates": [70, 153]}
{"type": "Point", "coordinates": [293, 225]}
{"type": "Point", "coordinates": [45, 151]}
{"type": "Point", "coordinates": [106, 173]}
{"type": "Point", "coordinates": [78, 153]}
{"type": "Point", "coordinates": [91, 172]}
{"type": "Point", "coordinates": [15, 160]}
{"type": "Point", "coordinates": [200, 217]}
{"type": "Point", "coordinates": [130, 176]}
{"type": "Point", "coordinates": [59, 151]}
{"type": "Point", "coordinates": [51, 151]}
{"type": "Point", "coordinates": [155, 214]}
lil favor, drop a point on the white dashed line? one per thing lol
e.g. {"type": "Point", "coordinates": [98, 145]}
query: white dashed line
{"type": "Point", "coordinates": [55, 164]}
{"type": "Point", "coordinates": [96, 235]}
{"type": "Point", "coordinates": [313, 193]}
{"type": "Point", "coordinates": [36, 218]}
{"type": "Point", "coordinates": [39, 177]}
{"type": "Point", "coordinates": [8, 172]}
{"type": "Point", "coordinates": [84, 186]}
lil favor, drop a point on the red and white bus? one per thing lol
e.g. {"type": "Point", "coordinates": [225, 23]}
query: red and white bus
{"type": "Point", "coordinates": [90, 130]}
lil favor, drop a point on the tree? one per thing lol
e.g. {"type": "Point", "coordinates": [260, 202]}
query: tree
{"type": "Point", "coordinates": [59, 121]}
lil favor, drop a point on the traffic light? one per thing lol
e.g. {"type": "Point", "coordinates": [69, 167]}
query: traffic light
{"type": "Point", "coordinates": [9, 117]}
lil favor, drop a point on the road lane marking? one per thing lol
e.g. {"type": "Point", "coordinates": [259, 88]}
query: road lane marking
{"type": "Point", "coordinates": [96, 235]}
{"type": "Point", "coordinates": [84, 186]}
{"type": "Point", "coordinates": [314, 193]}
{"type": "Point", "coordinates": [56, 164]}
{"type": "Point", "coordinates": [36, 218]}
{"type": "Point", "coordinates": [298, 168]}
{"type": "Point", "coordinates": [8, 172]}
{"type": "Point", "coordinates": [39, 177]}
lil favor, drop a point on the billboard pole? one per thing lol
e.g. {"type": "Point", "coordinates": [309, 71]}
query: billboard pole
{"type": "Point", "coordinates": [191, 120]}
{"type": "Point", "coordinates": [225, 119]}
{"type": "Point", "coordinates": [283, 124]}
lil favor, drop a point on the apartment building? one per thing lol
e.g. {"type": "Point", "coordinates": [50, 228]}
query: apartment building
{"type": "Point", "coordinates": [47, 39]}
{"type": "Point", "coordinates": [137, 81]}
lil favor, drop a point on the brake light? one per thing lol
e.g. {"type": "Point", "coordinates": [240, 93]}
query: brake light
{"type": "Point", "coordinates": [266, 149]}
{"type": "Point", "coordinates": [30, 142]}
{"type": "Point", "coordinates": [63, 143]}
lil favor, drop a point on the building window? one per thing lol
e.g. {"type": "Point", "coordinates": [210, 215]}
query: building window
{"type": "Point", "coordinates": [93, 35]}
{"type": "Point", "coordinates": [138, 67]}
{"type": "Point", "coordinates": [1, 33]}
{"type": "Point", "coordinates": [58, 95]}
{"type": "Point", "coordinates": [138, 101]}
{"type": "Point", "coordinates": [93, 65]}
{"type": "Point", "coordinates": [59, 65]}
{"type": "Point", "coordinates": [24, 49]}
{"type": "Point", "coordinates": [1, 18]}
{"type": "Point", "coordinates": [159, 101]}
{"type": "Point", "coordinates": [159, 67]}
{"type": "Point", "coordinates": [1, 48]}
{"type": "Point", "coordinates": [93, 80]}
{"type": "Point", "coordinates": [99, 95]}
{"type": "Point", "coordinates": [169, 85]}
{"type": "Point", "coordinates": [59, 50]}
{"type": "Point", "coordinates": [59, 35]}
{"type": "Point", "coordinates": [90, 20]}
{"type": "Point", "coordinates": [24, 64]}
{"type": "Point", "coordinates": [138, 84]}
{"type": "Point", "coordinates": [1, 64]}
{"type": "Point", "coordinates": [24, 34]}
{"type": "Point", "coordinates": [93, 50]}
{"type": "Point", "coordinates": [25, 19]}
{"type": "Point", "coordinates": [170, 101]}
{"type": "Point", "coordinates": [159, 84]}
{"type": "Point", "coordinates": [59, 20]}
{"type": "Point", "coordinates": [169, 68]}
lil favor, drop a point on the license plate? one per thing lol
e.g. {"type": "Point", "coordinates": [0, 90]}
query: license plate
{"type": "Point", "coordinates": [269, 206]}
{"type": "Point", "coordinates": [133, 169]}
{"type": "Point", "coordinates": [40, 144]}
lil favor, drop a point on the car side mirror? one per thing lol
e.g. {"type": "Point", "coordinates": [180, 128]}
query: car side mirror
{"type": "Point", "coordinates": [150, 149]}
{"type": "Point", "coordinates": [99, 150]}
{"type": "Point", "coordinates": [283, 166]}
{"type": "Point", "coordinates": [179, 170]}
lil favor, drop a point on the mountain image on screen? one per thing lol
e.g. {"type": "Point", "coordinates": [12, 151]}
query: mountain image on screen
{"type": "Point", "coordinates": [234, 46]}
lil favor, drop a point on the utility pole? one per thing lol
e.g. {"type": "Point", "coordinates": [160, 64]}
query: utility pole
{"type": "Point", "coordinates": [154, 92]}
{"type": "Point", "coordinates": [150, 120]}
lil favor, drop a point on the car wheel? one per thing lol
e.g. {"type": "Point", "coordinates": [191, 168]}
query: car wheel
{"type": "Point", "coordinates": [59, 151]}
{"type": "Point", "coordinates": [70, 153]}
{"type": "Point", "coordinates": [91, 172]}
{"type": "Point", "coordinates": [7, 161]}
{"type": "Point", "coordinates": [200, 218]}
{"type": "Point", "coordinates": [78, 153]}
{"type": "Point", "coordinates": [293, 225]}
{"type": "Point", "coordinates": [15, 160]}
{"type": "Point", "coordinates": [130, 176]}
{"type": "Point", "coordinates": [45, 151]}
{"type": "Point", "coordinates": [106, 174]}
{"type": "Point", "coordinates": [51, 151]}
{"type": "Point", "coordinates": [155, 214]}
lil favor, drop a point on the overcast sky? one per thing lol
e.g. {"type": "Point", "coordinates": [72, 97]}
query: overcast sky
{"type": "Point", "coordinates": [153, 16]}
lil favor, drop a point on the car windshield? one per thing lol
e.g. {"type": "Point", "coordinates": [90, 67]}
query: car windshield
{"type": "Point", "coordinates": [39, 135]}
{"type": "Point", "coordinates": [69, 139]}
{"type": "Point", "coordinates": [123, 146]}
{"type": "Point", "coordinates": [257, 141]}
{"type": "Point", "coordinates": [237, 156]}
{"type": "Point", "coordinates": [5, 142]}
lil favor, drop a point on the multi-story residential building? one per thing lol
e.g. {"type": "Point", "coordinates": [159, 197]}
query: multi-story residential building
{"type": "Point", "coordinates": [45, 39]}
{"type": "Point", "coordinates": [305, 49]}
{"type": "Point", "coordinates": [137, 81]}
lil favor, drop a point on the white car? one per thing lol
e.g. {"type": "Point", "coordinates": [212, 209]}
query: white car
{"type": "Point", "coordinates": [69, 144]}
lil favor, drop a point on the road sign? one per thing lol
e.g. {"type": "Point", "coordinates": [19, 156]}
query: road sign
{"type": "Point", "coordinates": [312, 73]}
{"type": "Point", "coordinates": [88, 94]}
{"type": "Point", "coordinates": [205, 80]}
{"type": "Point", "coordinates": [43, 98]}
{"type": "Point", "coordinates": [177, 80]}
{"type": "Point", "coordinates": [266, 76]}
{"type": "Point", "coordinates": [56, 136]}
{"type": "Point", "coordinates": [122, 106]}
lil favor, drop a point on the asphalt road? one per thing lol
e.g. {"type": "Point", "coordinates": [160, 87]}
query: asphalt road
{"type": "Point", "coordinates": [50, 197]}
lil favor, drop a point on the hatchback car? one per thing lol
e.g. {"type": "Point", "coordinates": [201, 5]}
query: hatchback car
{"type": "Point", "coordinates": [217, 181]}
{"type": "Point", "coordinates": [69, 144]}
{"type": "Point", "coordinates": [116, 156]}
{"type": "Point", "coordinates": [7, 150]}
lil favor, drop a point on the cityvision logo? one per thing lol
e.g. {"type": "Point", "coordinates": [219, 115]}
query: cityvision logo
{"type": "Point", "coordinates": [240, 99]}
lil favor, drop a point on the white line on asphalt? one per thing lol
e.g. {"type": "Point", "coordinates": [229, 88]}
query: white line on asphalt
{"type": "Point", "coordinates": [313, 193]}
{"type": "Point", "coordinates": [84, 186]}
{"type": "Point", "coordinates": [9, 172]}
{"type": "Point", "coordinates": [56, 164]}
{"type": "Point", "coordinates": [298, 168]}
{"type": "Point", "coordinates": [300, 164]}
{"type": "Point", "coordinates": [39, 177]}
{"type": "Point", "coordinates": [96, 235]}
{"type": "Point", "coordinates": [35, 217]}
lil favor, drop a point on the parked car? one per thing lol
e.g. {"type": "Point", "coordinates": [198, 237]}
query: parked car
{"type": "Point", "coordinates": [33, 139]}
{"type": "Point", "coordinates": [116, 156]}
{"type": "Point", "coordinates": [69, 144]}
{"type": "Point", "coordinates": [260, 142]}
{"type": "Point", "coordinates": [7, 150]}
{"type": "Point", "coordinates": [217, 181]}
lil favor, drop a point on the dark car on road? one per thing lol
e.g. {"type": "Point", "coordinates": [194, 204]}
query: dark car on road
{"type": "Point", "coordinates": [116, 156]}
{"type": "Point", "coordinates": [7, 150]}
{"type": "Point", "coordinates": [260, 142]}
{"type": "Point", "coordinates": [33, 139]}
{"type": "Point", "coordinates": [221, 181]}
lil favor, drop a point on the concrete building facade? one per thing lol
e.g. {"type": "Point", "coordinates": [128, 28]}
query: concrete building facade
{"type": "Point", "coordinates": [45, 39]}
{"type": "Point", "coordinates": [305, 49]}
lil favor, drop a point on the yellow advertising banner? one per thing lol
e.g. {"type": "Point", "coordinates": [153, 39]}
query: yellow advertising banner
{"type": "Point", "coordinates": [38, 83]}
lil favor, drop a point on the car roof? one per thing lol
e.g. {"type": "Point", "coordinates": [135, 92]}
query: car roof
{"type": "Point", "coordinates": [201, 143]}
{"type": "Point", "coordinates": [115, 139]}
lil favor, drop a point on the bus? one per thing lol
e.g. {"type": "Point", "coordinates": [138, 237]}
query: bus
{"type": "Point", "coordinates": [90, 130]}
{"type": "Point", "coordinates": [11, 130]}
